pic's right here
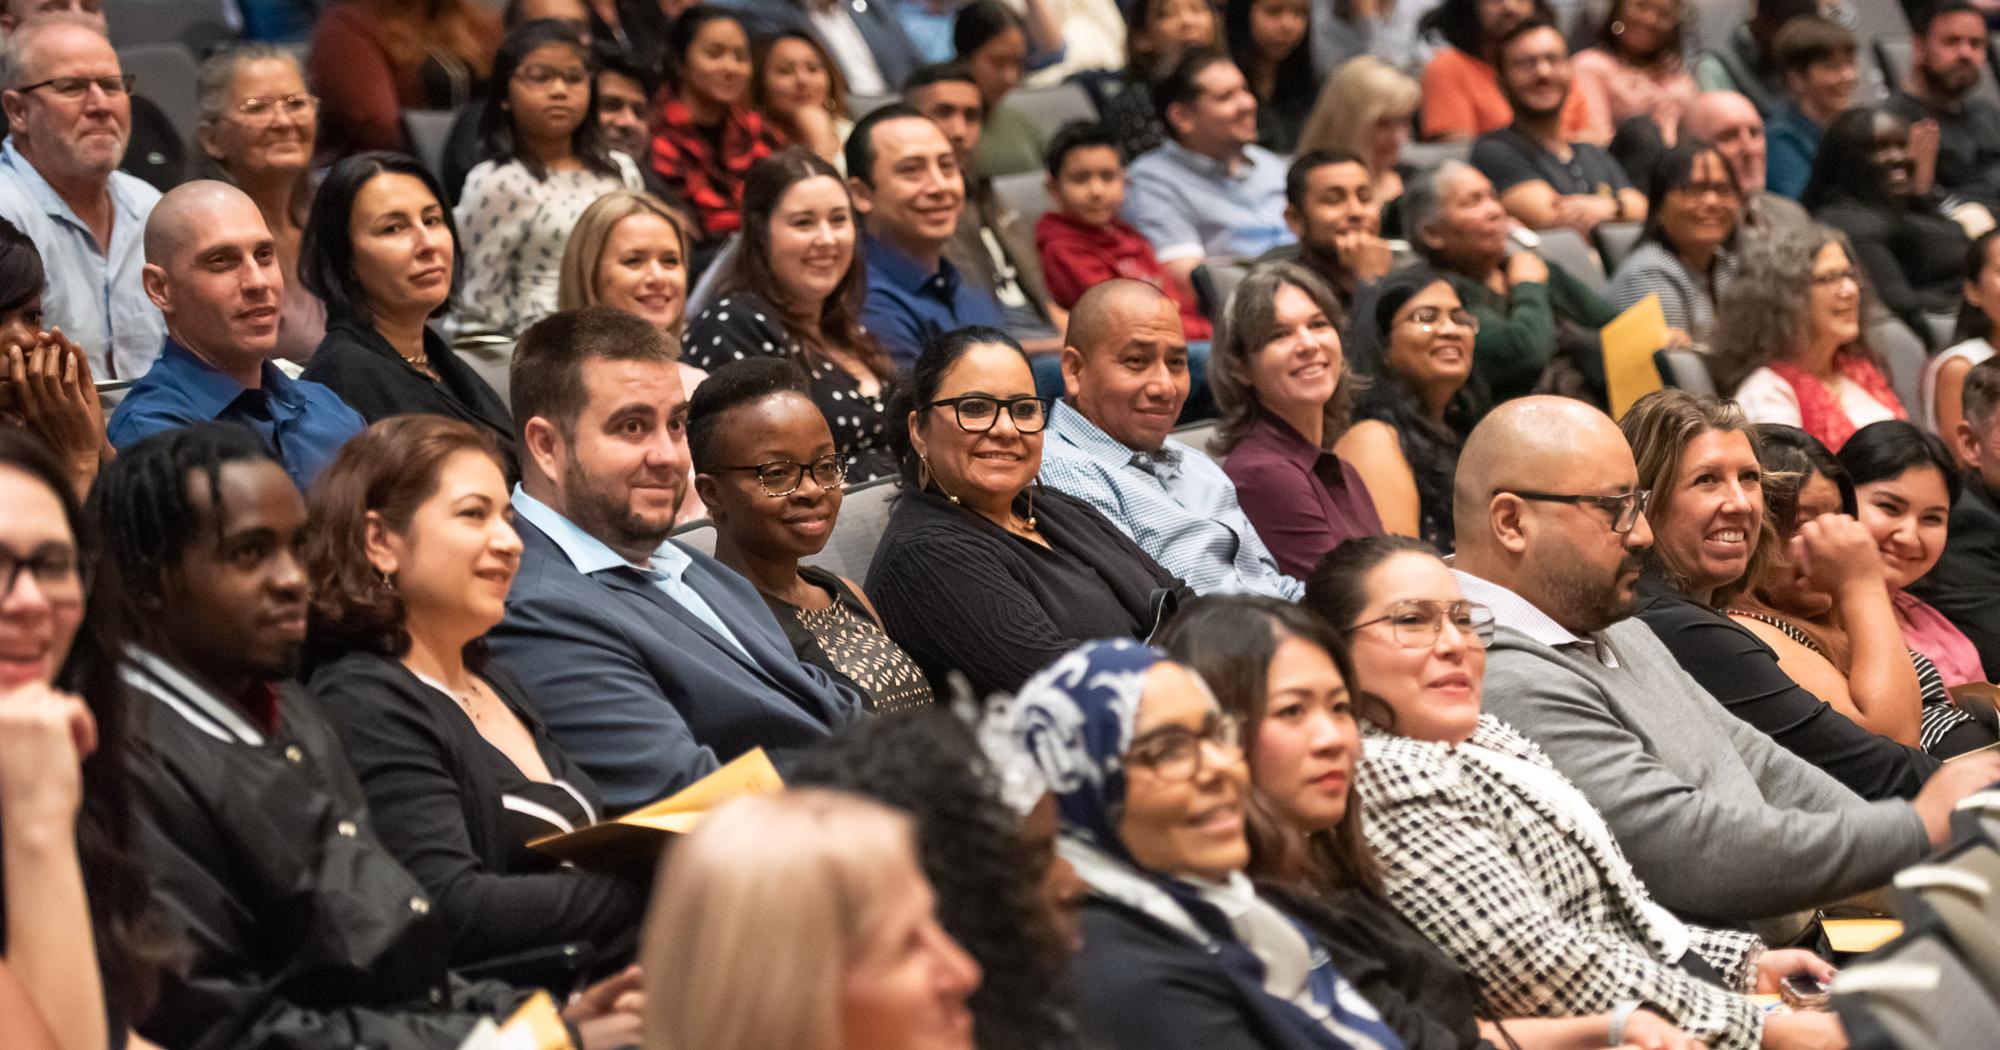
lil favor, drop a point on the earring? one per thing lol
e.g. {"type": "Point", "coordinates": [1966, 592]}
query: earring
{"type": "Point", "coordinates": [1618, 28]}
{"type": "Point", "coordinates": [1031, 505]}
{"type": "Point", "coordinates": [925, 477]}
{"type": "Point", "coordinates": [388, 581]}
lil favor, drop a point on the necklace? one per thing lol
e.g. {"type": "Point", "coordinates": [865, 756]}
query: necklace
{"type": "Point", "coordinates": [465, 698]}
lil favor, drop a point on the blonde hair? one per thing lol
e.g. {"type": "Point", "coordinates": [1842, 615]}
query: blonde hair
{"type": "Point", "coordinates": [758, 916]}
{"type": "Point", "coordinates": [1355, 97]}
{"type": "Point", "coordinates": [584, 251]}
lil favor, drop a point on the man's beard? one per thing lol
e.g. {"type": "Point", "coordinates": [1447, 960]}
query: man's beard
{"type": "Point", "coordinates": [1941, 83]}
{"type": "Point", "coordinates": [605, 511]}
{"type": "Point", "coordinates": [1584, 601]}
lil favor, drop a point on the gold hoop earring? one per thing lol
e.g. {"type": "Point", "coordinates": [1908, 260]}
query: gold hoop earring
{"type": "Point", "coordinates": [925, 477]}
{"type": "Point", "coordinates": [1032, 486]}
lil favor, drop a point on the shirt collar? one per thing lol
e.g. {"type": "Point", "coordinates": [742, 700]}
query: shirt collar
{"type": "Point", "coordinates": [1512, 610]}
{"type": "Point", "coordinates": [908, 275]}
{"type": "Point", "coordinates": [211, 392]}
{"type": "Point", "coordinates": [1206, 166]}
{"type": "Point", "coordinates": [588, 553]}
{"type": "Point", "coordinates": [1288, 442]}
{"type": "Point", "coordinates": [1076, 429]}
{"type": "Point", "coordinates": [51, 202]}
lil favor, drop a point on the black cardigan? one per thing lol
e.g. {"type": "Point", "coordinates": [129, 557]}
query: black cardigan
{"type": "Point", "coordinates": [355, 362]}
{"type": "Point", "coordinates": [435, 788]}
{"type": "Point", "coordinates": [959, 593]}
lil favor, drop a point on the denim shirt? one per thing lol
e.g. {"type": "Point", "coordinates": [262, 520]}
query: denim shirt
{"type": "Point", "coordinates": [1190, 205]}
{"type": "Point", "coordinates": [908, 306]}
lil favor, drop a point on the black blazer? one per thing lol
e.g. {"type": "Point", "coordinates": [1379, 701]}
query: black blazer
{"type": "Point", "coordinates": [439, 795]}
{"type": "Point", "coordinates": [359, 365]}
{"type": "Point", "coordinates": [1965, 583]}
{"type": "Point", "coordinates": [961, 594]}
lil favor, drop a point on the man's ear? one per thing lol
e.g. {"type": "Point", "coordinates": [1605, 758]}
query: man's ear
{"type": "Point", "coordinates": [1509, 525]}
{"type": "Point", "coordinates": [863, 194]}
{"type": "Point", "coordinates": [1295, 222]}
{"type": "Point", "coordinates": [1179, 119]}
{"type": "Point", "coordinates": [16, 106]}
{"type": "Point", "coordinates": [1966, 443]}
{"type": "Point", "coordinates": [545, 447]}
{"type": "Point", "coordinates": [1072, 372]}
{"type": "Point", "coordinates": [153, 278]}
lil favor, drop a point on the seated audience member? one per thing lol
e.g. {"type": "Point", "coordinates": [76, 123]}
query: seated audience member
{"type": "Point", "coordinates": [1905, 485]}
{"type": "Point", "coordinates": [1365, 110]}
{"type": "Point", "coordinates": [1209, 190]}
{"type": "Point", "coordinates": [1864, 184]}
{"type": "Point", "coordinates": [1817, 58]}
{"type": "Point", "coordinates": [1330, 207]}
{"type": "Point", "coordinates": [798, 91]}
{"type": "Point", "coordinates": [904, 178]}
{"type": "Point", "coordinates": [1964, 585]}
{"type": "Point", "coordinates": [213, 274]}
{"type": "Point", "coordinates": [1125, 378]}
{"type": "Point", "coordinates": [770, 474]}
{"type": "Point", "coordinates": [257, 128]}
{"type": "Point", "coordinates": [155, 152]}
{"type": "Point", "coordinates": [650, 663]}
{"type": "Point", "coordinates": [1947, 57]}
{"type": "Point", "coordinates": [990, 43]}
{"type": "Point", "coordinates": [243, 791]}
{"type": "Point", "coordinates": [826, 889]}
{"type": "Point", "coordinates": [1788, 339]}
{"type": "Point", "coordinates": [1467, 814]}
{"type": "Point", "coordinates": [83, 945]}
{"type": "Point", "coordinates": [868, 44]}
{"type": "Point", "coordinates": [545, 163]}
{"type": "Point", "coordinates": [1635, 67]}
{"type": "Point", "coordinates": [1685, 254]}
{"type": "Point", "coordinates": [992, 248]}
{"type": "Point", "coordinates": [1673, 774]}
{"type": "Point", "coordinates": [705, 135]}
{"type": "Point", "coordinates": [1004, 893]}
{"type": "Point", "coordinates": [623, 94]}
{"type": "Point", "coordinates": [1544, 178]}
{"type": "Point", "coordinates": [372, 59]}
{"type": "Point", "coordinates": [1413, 354]}
{"type": "Point", "coordinates": [1747, 63]}
{"type": "Point", "coordinates": [1082, 241]}
{"type": "Point", "coordinates": [1699, 461]}
{"type": "Point", "coordinates": [1160, 32]}
{"type": "Point", "coordinates": [1462, 96]}
{"type": "Point", "coordinates": [1728, 121]}
{"type": "Point", "coordinates": [1140, 756]}
{"type": "Point", "coordinates": [1267, 40]}
{"type": "Point", "coordinates": [381, 251]}
{"type": "Point", "coordinates": [1286, 394]}
{"type": "Point", "coordinates": [409, 546]}
{"type": "Point", "coordinates": [793, 291]}
{"type": "Point", "coordinates": [1537, 322]}
{"type": "Point", "coordinates": [980, 570]}
{"type": "Point", "coordinates": [63, 189]}
{"type": "Point", "coordinates": [1944, 374]}
{"type": "Point", "coordinates": [45, 381]}
{"type": "Point", "coordinates": [1798, 602]}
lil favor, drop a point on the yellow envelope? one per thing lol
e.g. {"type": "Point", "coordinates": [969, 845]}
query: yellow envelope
{"type": "Point", "coordinates": [632, 843]}
{"type": "Point", "coordinates": [536, 1026]}
{"type": "Point", "coordinates": [1629, 342]}
{"type": "Point", "coordinates": [1861, 935]}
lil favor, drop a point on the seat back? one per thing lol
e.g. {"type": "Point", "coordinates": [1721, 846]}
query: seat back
{"type": "Point", "coordinates": [1566, 248]}
{"type": "Point", "coordinates": [864, 516]}
{"type": "Point", "coordinates": [1026, 195]}
{"type": "Point", "coordinates": [859, 106]}
{"type": "Point", "coordinates": [1903, 354]}
{"type": "Point", "coordinates": [1616, 241]}
{"type": "Point", "coordinates": [699, 534]}
{"type": "Point", "coordinates": [1685, 369]}
{"type": "Point", "coordinates": [1049, 108]}
{"type": "Point", "coordinates": [1915, 994]}
{"type": "Point", "coordinates": [706, 290]}
{"type": "Point", "coordinates": [428, 131]}
{"type": "Point", "coordinates": [1958, 896]}
{"type": "Point", "coordinates": [166, 75]}
{"type": "Point", "coordinates": [197, 25]}
{"type": "Point", "coordinates": [1197, 437]}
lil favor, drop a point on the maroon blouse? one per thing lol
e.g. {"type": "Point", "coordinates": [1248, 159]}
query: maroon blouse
{"type": "Point", "coordinates": [1303, 500]}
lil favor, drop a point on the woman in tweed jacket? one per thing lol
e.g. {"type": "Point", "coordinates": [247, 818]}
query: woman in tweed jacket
{"type": "Point", "coordinates": [1494, 855]}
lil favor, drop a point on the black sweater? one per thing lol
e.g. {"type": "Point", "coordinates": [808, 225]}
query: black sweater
{"type": "Point", "coordinates": [355, 362]}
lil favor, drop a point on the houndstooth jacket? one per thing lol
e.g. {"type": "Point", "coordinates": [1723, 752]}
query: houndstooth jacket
{"type": "Point", "coordinates": [1545, 923]}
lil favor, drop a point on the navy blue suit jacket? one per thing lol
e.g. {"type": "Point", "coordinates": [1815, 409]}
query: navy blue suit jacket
{"type": "Point", "coordinates": [643, 694]}
{"type": "Point", "coordinates": [895, 56]}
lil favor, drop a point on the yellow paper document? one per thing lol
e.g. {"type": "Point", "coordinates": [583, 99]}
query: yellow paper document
{"type": "Point", "coordinates": [632, 843]}
{"type": "Point", "coordinates": [1629, 342]}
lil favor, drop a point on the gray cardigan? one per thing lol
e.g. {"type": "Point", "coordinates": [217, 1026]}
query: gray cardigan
{"type": "Point", "coordinates": [1721, 823]}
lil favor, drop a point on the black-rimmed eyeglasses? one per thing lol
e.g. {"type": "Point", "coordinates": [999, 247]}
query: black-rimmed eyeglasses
{"type": "Point", "coordinates": [1174, 752]}
{"type": "Point", "coordinates": [976, 413]}
{"type": "Point", "coordinates": [1624, 509]}
{"type": "Point", "coordinates": [69, 89]}
{"type": "Point", "coordinates": [782, 477]}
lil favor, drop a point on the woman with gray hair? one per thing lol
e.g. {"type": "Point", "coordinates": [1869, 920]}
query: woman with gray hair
{"type": "Point", "coordinates": [1789, 343]}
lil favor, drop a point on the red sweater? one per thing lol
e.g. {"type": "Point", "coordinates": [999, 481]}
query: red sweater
{"type": "Point", "coordinates": [1076, 255]}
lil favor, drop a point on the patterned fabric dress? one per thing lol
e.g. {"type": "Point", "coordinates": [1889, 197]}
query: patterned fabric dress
{"type": "Point", "coordinates": [515, 227]}
{"type": "Point", "coordinates": [844, 639]}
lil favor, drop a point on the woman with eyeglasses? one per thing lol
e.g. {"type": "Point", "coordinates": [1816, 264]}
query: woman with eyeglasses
{"type": "Point", "coordinates": [767, 470]}
{"type": "Point", "coordinates": [258, 125]}
{"type": "Point", "coordinates": [1495, 855]}
{"type": "Point", "coordinates": [1684, 255]}
{"type": "Point", "coordinates": [545, 162]}
{"type": "Point", "coordinates": [1413, 349]}
{"type": "Point", "coordinates": [1789, 342]}
{"type": "Point", "coordinates": [1700, 460]}
{"type": "Point", "coordinates": [1180, 951]}
{"type": "Point", "coordinates": [980, 570]}
{"type": "Point", "coordinates": [793, 291]}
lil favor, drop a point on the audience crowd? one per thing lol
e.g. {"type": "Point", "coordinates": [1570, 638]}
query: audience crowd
{"type": "Point", "coordinates": [1155, 479]}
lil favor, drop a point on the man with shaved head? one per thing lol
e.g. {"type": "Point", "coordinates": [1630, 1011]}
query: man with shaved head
{"type": "Point", "coordinates": [1722, 824]}
{"type": "Point", "coordinates": [212, 271]}
{"type": "Point", "coordinates": [69, 117]}
{"type": "Point", "coordinates": [1125, 377]}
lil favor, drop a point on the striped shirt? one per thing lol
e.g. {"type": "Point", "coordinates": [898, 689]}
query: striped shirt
{"type": "Point", "coordinates": [1686, 301]}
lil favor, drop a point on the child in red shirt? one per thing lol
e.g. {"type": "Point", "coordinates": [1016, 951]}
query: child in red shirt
{"type": "Point", "coordinates": [1084, 242]}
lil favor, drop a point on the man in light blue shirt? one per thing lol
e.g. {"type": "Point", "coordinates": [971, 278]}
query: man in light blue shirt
{"type": "Point", "coordinates": [651, 663]}
{"type": "Point", "coordinates": [1209, 190]}
{"type": "Point", "coordinates": [1125, 377]}
{"type": "Point", "coordinates": [69, 117]}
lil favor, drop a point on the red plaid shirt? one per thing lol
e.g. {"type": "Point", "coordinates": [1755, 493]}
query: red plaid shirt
{"type": "Point", "coordinates": [711, 181]}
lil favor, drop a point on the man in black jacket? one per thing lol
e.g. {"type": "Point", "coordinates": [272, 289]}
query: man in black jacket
{"type": "Point", "coordinates": [302, 930]}
{"type": "Point", "coordinates": [1965, 583]}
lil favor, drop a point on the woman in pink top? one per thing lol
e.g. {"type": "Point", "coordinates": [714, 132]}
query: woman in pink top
{"type": "Point", "coordinates": [1462, 96]}
{"type": "Point", "coordinates": [1635, 69]}
{"type": "Point", "coordinates": [1905, 484]}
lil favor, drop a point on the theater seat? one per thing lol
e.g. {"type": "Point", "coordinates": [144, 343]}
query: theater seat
{"type": "Point", "coordinates": [1198, 436]}
{"type": "Point", "coordinates": [166, 74]}
{"type": "Point", "coordinates": [1026, 195]}
{"type": "Point", "coordinates": [864, 517]}
{"type": "Point", "coordinates": [1915, 994]}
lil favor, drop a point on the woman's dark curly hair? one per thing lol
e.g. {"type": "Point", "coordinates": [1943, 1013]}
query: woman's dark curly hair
{"type": "Point", "coordinates": [988, 881]}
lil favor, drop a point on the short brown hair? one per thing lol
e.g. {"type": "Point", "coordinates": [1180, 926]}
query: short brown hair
{"type": "Point", "coordinates": [1807, 41]}
{"type": "Point", "coordinates": [546, 376]}
{"type": "Point", "coordinates": [391, 468]}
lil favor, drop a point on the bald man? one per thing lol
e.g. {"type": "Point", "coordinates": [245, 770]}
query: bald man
{"type": "Point", "coordinates": [212, 272]}
{"type": "Point", "coordinates": [69, 118]}
{"type": "Point", "coordinates": [1723, 825]}
{"type": "Point", "coordinates": [1731, 122]}
{"type": "Point", "coordinates": [1125, 377]}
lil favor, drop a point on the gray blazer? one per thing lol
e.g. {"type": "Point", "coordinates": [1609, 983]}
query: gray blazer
{"type": "Point", "coordinates": [1721, 823]}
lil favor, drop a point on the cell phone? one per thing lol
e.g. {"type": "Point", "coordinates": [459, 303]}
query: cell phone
{"type": "Point", "coordinates": [1525, 238]}
{"type": "Point", "coordinates": [1801, 992]}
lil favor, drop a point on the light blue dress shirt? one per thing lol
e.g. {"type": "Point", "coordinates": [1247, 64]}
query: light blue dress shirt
{"type": "Point", "coordinates": [95, 297]}
{"type": "Point", "coordinates": [1190, 206]}
{"type": "Point", "coordinates": [1176, 504]}
{"type": "Point", "coordinates": [667, 567]}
